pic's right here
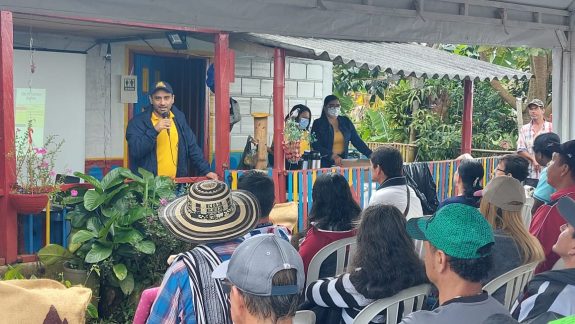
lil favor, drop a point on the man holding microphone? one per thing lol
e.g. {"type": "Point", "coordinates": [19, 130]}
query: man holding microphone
{"type": "Point", "coordinates": [161, 141]}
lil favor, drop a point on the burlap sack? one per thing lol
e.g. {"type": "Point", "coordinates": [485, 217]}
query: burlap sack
{"type": "Point", "coordinates": [42, 301]}
{"type": "Point", "coordinates": [285, 214]}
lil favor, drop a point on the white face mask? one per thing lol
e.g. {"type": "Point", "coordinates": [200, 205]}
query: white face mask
{"type": "Point", "coordinates": [333, 111]}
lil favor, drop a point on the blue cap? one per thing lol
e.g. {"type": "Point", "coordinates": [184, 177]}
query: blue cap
{"type": "Point", "coordinates": [162, 85]}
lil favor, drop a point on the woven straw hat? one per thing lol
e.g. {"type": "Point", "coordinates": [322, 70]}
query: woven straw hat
{"type": "Point", "coordinates": [211, 212]}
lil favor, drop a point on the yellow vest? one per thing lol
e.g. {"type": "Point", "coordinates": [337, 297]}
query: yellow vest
{"type": "Point", "coordinates": [167, 148]}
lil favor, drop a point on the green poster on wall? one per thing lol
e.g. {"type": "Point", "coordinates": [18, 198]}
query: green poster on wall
{"type": "Point", "coordinates": [30, 105]}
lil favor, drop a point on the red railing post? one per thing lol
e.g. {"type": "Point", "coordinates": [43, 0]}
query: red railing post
{"type": "Point", "coordinates": [8, 216]}
{"type": "Point", "coordinates": [467, 123]}
{"type": "Point", "coordinates": [279, 97]}
{"type": "Point", "coordinates": [222, 87]}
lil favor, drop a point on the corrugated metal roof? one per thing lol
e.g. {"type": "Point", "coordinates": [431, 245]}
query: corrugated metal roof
{"type": "Point", "coordinates": [397, 58]}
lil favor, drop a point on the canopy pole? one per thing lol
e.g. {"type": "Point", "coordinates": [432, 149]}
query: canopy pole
{"type": "Point", "coordinates": [8, 215]}
{"type": "Point", "coordinates": [467, 124]}
{"type": "Point", "coordinates": [222, 87]}
{"type": "Point", "coordinates": [279, 99]}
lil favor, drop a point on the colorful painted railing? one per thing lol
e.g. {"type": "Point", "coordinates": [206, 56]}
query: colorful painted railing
{"type": "Point", "coordinates": [300, 182]}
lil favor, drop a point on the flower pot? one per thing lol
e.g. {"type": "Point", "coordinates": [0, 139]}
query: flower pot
{"type": "Point", "coordinates": [80, 277]}
{"type": "Point", "coordinates": [29, 203]}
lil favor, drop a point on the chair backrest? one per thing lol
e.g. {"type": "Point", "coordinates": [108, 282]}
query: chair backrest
{"type": "Point", "coordinates": [526, 211]}
{"type": "Point", "coordinates": [304, 317]}
{"type": "Point", "coordinates": [344, 248]}
{"type": "Point", "coordinates": [411, 298]}
{"type": "Point", "coordinates": [514, 280]}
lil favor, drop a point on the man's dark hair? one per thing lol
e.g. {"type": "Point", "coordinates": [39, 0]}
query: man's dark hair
{"type": "Point", "coordinates": [389, 159]}
{"type": "Point", "coordinates": [472, 270]}
{"type": "Point", "coordinates": [261, 186]}
{"type": "Point", "coordinates": [516, 165]}
{"type": "Point", "coordinates": [542, 143]}
{"type": "Point", "coordinates": [274, 307]}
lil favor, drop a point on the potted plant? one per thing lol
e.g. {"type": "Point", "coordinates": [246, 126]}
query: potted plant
{"type": "Point", "coordinates": [107, 236]}
{"type": "Point", "coordinates": [293, 136]}
{"type": "Point", "coordinates": [34, 172]}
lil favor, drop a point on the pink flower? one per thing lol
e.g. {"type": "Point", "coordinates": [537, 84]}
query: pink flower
{"type": "Point", "coordinates": [40, 151]}
{"type": "Point", "coordinates": [44, 164]}
{"type": "Point", "coordinates": [52, 173]}
{"type": "Point", "coordinates": [74, 192]}
{"type": "Point", "coordinates": [163, 201]}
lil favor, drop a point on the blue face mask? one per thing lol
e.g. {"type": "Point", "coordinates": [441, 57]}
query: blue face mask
{"type": "Point", "coordinates": [303, 123]}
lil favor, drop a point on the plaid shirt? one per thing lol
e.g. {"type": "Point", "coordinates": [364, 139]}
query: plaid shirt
{"type": "Point", "coordinates": [525, 142]}
{"type": "Point", "coordinates": [174, 303]}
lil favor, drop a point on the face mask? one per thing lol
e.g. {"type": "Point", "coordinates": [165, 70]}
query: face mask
{"type": "Point", "coordinates": [333, 111]}
{"type": "Point", "coordinates": [303, 123]}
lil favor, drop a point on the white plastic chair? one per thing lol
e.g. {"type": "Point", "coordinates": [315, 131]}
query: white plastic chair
{"type": "Point", "coordinates": [514, 280]}
{"type": "Point", "coordinates": [411, 298]}
{"type": "Point", "coordinates": [304, 317]}
{"type": "Point", "coordinates": [345, 249]}
{"type": "Point", "coordinates": [526, 211]}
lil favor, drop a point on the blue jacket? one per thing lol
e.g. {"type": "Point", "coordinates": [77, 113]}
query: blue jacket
{"type": "Point", "coordinates": [324, 139]}
{"type": "Point", "coordinates": [141, 137]}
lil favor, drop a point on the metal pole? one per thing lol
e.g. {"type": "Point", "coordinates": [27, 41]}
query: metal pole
{"type": "Point", "coordinates": [279, 98]}
{"type": "Point", "coordinates": [222, 87]}
{"type": "Point", "coordinates": [8, 216]}
{"type": "Point", "coordinates": [467, 124]}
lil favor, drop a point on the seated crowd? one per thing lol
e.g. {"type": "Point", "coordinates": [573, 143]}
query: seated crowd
{"type": "Point", "coordinates": [244, 270]}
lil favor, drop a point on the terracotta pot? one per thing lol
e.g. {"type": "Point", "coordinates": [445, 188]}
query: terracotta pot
{"type": "Point", "coordinates": [29, 203]}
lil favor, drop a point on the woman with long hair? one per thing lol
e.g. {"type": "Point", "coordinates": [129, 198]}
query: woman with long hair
{"type": "Point", "coordinates": [333, 132]}
{"type": "Point", "coordinates": [468, 178]}
{"type": "Point", "coordinates": [333, 216]}
{"type": "Point", "coordinates": [502, 205]}
{"type": "Point", "coordinates": [384, 263]}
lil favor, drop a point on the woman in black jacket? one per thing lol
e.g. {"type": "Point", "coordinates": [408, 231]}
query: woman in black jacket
{"type": "Point", "coordinates": [333, 134]}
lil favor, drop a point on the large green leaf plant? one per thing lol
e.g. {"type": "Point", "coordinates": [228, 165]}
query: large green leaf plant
{"type": "Point", "coordinates": [106, 225]}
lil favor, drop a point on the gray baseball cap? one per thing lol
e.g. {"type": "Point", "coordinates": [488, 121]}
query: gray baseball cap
{"type": "Point", "coordinates": [506, 193]}
{"type": "Point", "coordinates": [566, 208]}
{"type": "Point", "coordinates": [254, 263]}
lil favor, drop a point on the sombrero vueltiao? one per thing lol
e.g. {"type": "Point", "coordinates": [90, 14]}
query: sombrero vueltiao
{"type": "Point", "coordinates": [211, 212]}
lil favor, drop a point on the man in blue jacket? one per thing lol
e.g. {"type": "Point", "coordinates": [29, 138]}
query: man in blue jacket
{"type": "Point", "coordinates": [160, 140]}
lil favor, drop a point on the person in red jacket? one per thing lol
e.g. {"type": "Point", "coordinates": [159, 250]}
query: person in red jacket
{"type": "Point", "coordinates": [547, 219]}
{"type": "Point", "coordinates": [333, 216]}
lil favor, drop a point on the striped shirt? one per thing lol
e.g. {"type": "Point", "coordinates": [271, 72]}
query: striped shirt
{"type": "Point", "coordinates": [174, 303]}
{"type": "Point", "coordinates": [525, 142]}
{"type": "Point", "coordinates": [551, 291]}
{"type": "Point", "coordinates": [339, 292]}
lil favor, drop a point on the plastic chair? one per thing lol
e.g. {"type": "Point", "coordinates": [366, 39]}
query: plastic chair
{"type": "Point", "coordinates": [514, 280]}
{"type": "Point", "coordinates": [304, 317]}
{"type": "Point", "coordinates": [526, 211]}
{"type": "Point", "coordinates": [411, 298]}
{"type": "Point", "coordinates": [345, 249]}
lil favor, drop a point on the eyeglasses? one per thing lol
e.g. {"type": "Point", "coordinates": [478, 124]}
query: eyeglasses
{"type": "Point", "coordinates": [497, 169]}
{"type": "Point", "coordinates": [334, 106]}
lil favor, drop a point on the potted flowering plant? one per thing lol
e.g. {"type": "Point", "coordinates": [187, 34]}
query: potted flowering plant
{"type": "Point", "coordinates": [34, 172]}
{"type": "Point", "coordinates": [293, 136]}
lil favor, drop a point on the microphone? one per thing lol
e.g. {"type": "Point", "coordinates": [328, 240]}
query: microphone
{"type": "Point", "coordinates": [166, 115]}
